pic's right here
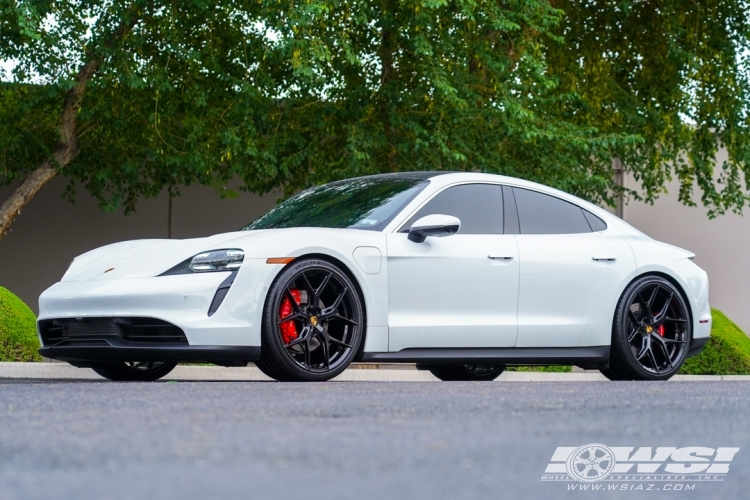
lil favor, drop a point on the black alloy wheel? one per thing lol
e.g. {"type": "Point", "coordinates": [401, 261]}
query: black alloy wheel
{"type": "Point", "coordinates": [134, 371]}
{"type": "Point", "coordinates": [651, 332]}
{"type": "Point", "coordinates": [449, 373]}
{"type": "Point", "coordinates": [313, 323]}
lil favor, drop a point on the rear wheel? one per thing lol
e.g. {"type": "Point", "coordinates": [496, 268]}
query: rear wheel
{"type": "Point", "coordinates": [133, 371]}
{"type": "Point", "coordinates": [449, 373]}
{"type": "Point", "coordinates": [651, 332]}
{"type": "Point", "coordinates": [313, 323]}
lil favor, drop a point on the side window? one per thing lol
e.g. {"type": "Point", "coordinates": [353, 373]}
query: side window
{"type": "Point", "coordinates": [543, 214]}
{"type": "Point", "coordinates": [478, 206]}
{"type": "Point", "coordinates": [595, 222]}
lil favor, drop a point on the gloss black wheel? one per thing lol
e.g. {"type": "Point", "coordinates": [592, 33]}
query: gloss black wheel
{"type": "Point", "coordinates": [449, 373]}
{"type": "Point", "coordinates": [651, 332]}
{"type": "Point", "coordinates": [134, 371]}
{"type": "Point", "coordinates": [313, 323]}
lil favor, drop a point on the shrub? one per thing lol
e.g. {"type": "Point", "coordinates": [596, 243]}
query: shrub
{"type": "Point", "coordinates": [18, 338]}
{"type": "Point", "coordinates": [726, 353]}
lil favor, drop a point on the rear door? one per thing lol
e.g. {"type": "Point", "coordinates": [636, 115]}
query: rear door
{"type": "Point", "coordinates": [571, 272]}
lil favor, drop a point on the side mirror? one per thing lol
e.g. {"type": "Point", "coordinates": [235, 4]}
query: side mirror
{"type": "Point", "coordinates": [433, 225]}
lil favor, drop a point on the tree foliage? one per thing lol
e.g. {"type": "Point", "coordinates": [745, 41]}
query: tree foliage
{"type": "Point", "coordinates": [674, 73]}
{"type": "Point", "coordinates": [291, 94]}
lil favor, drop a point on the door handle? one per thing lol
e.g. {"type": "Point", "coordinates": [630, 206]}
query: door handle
{"type": "Point", "coordinates": [498, 257]}
{"type": "Point", "coordinates": [604, 258]}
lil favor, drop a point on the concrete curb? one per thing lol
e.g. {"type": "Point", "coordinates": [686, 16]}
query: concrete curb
{"type": "Point", "coordinates": [64, 371]}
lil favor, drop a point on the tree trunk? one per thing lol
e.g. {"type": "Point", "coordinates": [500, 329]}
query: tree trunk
{"type": "Point", "coordinates": [385, 53]}
{"type": "Point", "coordinates": [67, 149]}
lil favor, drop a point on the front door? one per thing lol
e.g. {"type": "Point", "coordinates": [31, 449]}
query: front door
{"type": "Point", "coordinates": [459, 290]}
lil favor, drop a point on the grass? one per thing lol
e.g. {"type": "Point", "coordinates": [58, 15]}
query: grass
{"type": "Point", "coordinates": [558, 369]}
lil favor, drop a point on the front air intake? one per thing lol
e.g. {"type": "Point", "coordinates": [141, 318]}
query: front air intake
{"type": "Point", "coordinates": [95, 330]}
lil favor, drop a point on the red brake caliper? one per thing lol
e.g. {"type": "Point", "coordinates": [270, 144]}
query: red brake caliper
{"type": "Point", "coordinates": [660, 330]}
{"type": "Point", "coordinates": [288, 328]}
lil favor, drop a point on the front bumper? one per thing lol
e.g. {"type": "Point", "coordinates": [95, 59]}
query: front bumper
{"type": "Point", "coordinates": [114, 350]}
{"type": "Point", "coordinates": [182, 300]}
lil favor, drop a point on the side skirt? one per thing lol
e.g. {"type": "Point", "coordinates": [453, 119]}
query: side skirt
{"type": "Point", "coordinates": [582, 356]}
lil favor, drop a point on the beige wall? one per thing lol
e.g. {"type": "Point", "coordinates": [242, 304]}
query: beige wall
{"type": "Point", "coordinates": [50, 231]}
{"type": "Point", "coordinates": [721, 245]}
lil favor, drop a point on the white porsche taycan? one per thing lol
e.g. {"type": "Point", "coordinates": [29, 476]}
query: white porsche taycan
{"type": "Point", "coordinates": [461, 273]}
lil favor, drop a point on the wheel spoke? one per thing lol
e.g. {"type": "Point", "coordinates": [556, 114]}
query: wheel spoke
{"type": "Point", "coordinates": [295, 342]}
{"type": "Point", "coordinates": [324, 344]}
{"type": "Point", "coordinates": [664, 349]}
{"type": "Point", "coordinates": [653, 298]}
{"type": "Point", "coordinates": [674, 320]}
{"type": "Point", "coordinates": [645, 346]}
{"type": "Point", "coordinates": [306, 347]}
{"type": "Point", "coordinates": [323, 285]}
{"type": "Point", "coordinates": [331, 338]}
{"type": "Point", "coordinates": [633, 333]}
{"type": "Point", "coordinates": [311, 297]}
{"type": "Point", "coordinates": [294, 315]}
{"type": "Point", "coordinates": [304, 336]}
{"type": "Point", "coordinates": [338, 317]}
{"type": "Point", "coordinates": [635, 321]}
{"type": "Point", "coordinates": [645, 310]}
{"type": "Point", "coordinates": [659, 318]}
{"type": "Point", "coordinates": [652, 358]}
{"type": "Point", "coordinates": [673, 341]}
{"type": "Point", "coordinates": [339, 342]}
{"type": "Point", "coordinates": [332, 309]}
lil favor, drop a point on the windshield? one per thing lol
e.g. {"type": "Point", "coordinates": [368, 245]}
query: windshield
{"type": "Point", "coordinates": [364, 203]}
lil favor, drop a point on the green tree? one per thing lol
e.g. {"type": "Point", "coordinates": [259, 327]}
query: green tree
{"type": "Point", "coordinates": [129, 98]}
{"type": "Point", "coordinates": [674, 73]}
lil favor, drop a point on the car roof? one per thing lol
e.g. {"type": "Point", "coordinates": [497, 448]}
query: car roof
{"type": "Point", "coordinates": [442, 179]}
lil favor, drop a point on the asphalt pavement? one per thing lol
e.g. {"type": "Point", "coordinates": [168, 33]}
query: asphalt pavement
{"type": "Point", "coordinates": [352, 440]}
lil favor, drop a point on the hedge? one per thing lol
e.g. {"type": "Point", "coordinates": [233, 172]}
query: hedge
{"type": "Point", "coordinates": [726, 353]}
{"type": "Point", "coordinates": [18, 338]}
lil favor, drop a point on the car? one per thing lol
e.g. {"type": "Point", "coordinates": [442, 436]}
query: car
{"type": "Point", "coordinates": [462, 274]}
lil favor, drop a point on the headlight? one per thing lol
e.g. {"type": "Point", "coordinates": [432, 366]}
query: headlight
{"type": "Point", "coordinates": [206, 262]}
{"type": "Point", "coordinates": [217, 260]}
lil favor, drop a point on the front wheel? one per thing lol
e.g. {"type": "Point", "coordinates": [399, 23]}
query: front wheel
{"type": "Point", "coordinates": [651, 332]}
{"type": "Point", "coordinates": [313, 323]}
{"type": "Point", "coordinates": [132, 371]}
{"type": "Point", "coordinates": [450, 373]}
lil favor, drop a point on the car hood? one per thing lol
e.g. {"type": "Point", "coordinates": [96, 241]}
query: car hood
{"type": "Point", "coordinates": [142, 258]}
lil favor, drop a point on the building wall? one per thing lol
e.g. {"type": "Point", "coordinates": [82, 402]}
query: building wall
{"type": "Point", "coordinates": [721, 245]}
{"type": "Point", "coordinates": [51, 231]}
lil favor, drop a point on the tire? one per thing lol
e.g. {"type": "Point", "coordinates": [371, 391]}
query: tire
{"type": "Point", "coordinates": [313, 323]}
{"type": "Point", "coordinates": [651, 332]}
{"type": "Point", "coordinates": [134, 372]}
{"type": "Point", "coordinates": [451, 373]}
